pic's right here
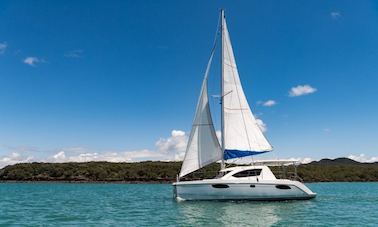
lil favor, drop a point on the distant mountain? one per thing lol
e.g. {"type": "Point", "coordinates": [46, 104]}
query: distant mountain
{"type": "Point", "coordinates": [340, 161]}
{"type": "Point", "coordinates": [337, 161]}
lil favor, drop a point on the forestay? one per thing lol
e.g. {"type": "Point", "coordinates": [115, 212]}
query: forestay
{"type": "Point", "coordinates": [242, 134]}
{"type": "Point", "coordinates": [203, 146]}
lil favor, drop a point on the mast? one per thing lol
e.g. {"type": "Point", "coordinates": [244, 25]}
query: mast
{"type": "Point", "coordinates": [222, 90]}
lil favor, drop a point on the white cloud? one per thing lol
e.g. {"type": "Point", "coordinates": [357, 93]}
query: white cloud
{"type": "Point", "coordinates": [32, 61]}
{"type": "Point", "coordinates": [335, 15]}
{"type": "Point", "coordinates": [60, 156]}
{"type": "Point", "coordinates": [261, 125]}
{"type": "Point", "coordinates": [302, 160]}
{"type": "Point", "coordinates": [363, 158]}
{"type": "Point", "coordinates": [174, 146]}
{"type": "Point", "coordinates": [74, 54]}
{"type": "Point", "coordinates": [13, 158]}
{"type": "Point", "coordinates": [268, 103]}
{"type": "Point", "coordinates": [301, 90]}
{"type": "Point", "coordinates": [177, 133]}
{"type": "Point", "coordinates": [166, 149]}
{"type": "Point", "coordinates": [89, 156]}
{"type": "Point", "coordinates": [305, 160]}
{"type": "Point", "coordinates": [3, 47]}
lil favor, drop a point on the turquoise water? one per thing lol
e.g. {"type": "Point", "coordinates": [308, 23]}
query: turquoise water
{"type": "Point", "coordinates": [351, 204]}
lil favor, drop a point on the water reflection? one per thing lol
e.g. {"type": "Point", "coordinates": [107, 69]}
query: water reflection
{"type": "Point", "coordinates": [232, 213]}
{"type": "Point", "coordinates": [341, 204]}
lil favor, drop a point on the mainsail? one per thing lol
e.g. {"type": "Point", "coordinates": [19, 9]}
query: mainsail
{"type": "Point", "coordinates": [242, 135]}
{"type": "Point", "coordinates": [203, 146]}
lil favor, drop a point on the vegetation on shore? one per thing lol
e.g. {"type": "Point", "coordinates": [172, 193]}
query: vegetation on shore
{"type": "Point", "coordinates": [325, 170]}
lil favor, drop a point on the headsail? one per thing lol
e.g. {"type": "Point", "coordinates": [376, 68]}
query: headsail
{"type": "Point", "coordinates": [242, 135]}
{"type": "Point", "coordinates": [203, 146]}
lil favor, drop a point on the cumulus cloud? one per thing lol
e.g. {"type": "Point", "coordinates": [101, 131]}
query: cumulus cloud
{"type": "Point", "coordinates": [171, 148]}
{"type": "Point", "coordinates": [268, 103]}
{"type": "Point", "coordinates": [3, 47]}
{"type": "Point", "coordinates": [335, 15]}
{"type": "Point", "coordinates": [261, 125]}
{"type": "Point", "coordinates": [174, 146]}
{"type": "Point", "coordinates": [166, 149]}
{"type": "Point", "coordinates": [304, 160]}
{"type": "Point", "coordinates": [301, 90]}
{"type": "Point", "coordinates": [363, 158]}
{"type": "Point", "coordinates": [13, 158]}
{"type": "Point", "coordinates": [32, 61]}
{"type": "Point", "coordinates": [60, 156]}
{"type": "Point", "coordinates": [127, 156]}
{"type": "Point", "coordinates": [74, 54]}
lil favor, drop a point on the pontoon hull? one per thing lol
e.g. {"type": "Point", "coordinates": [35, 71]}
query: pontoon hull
{"type": "Point", "coordinates": [223, 190]}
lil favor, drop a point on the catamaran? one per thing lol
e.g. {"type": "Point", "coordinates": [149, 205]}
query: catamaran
{"type": "Point", "coordinates": [240, 137]}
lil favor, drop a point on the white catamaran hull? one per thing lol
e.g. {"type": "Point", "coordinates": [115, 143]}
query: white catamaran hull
{"type": "Point", "coordinates": [216, 189]}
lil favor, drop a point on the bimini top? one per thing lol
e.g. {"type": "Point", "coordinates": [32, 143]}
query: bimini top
{"type": "Point", "coordinates": [277, 162]}
{"type": "Point", "coordinates": [272, 162]}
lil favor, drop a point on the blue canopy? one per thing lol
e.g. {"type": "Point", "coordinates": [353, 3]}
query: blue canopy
{"type": "Point", "coordinates": [230, 154]}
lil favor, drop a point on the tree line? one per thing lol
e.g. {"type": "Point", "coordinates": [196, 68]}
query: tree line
{"type": "Point", "coordinates": [164, 172]}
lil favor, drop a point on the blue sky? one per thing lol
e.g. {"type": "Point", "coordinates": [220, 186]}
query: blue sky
{"type": "Point", "coordinates": [103, 78]}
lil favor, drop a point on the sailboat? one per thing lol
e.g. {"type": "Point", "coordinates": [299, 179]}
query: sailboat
{"type": "Point", "coordinates": [240, 137]}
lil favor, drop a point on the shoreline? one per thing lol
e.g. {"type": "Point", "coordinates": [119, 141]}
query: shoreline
{"type": "Point", "coordinates": [84, 182]}
{"type": "Point", "coordinates": [157, 172]}
{"type": "Point", "coordinates": [141, 182]}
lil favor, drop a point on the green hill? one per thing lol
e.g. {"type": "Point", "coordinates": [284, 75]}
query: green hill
{"type": "Point", "coordinates": [325, 170]}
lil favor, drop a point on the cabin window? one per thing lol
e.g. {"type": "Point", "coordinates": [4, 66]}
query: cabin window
{"type": "Point", "coordinates": [248, 173]}
{"type": "Point", "coordinates": [282, 186]}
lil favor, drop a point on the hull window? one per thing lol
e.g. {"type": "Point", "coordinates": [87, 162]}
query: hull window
{"type": "Point", "coordinates": [282, 186]}
{"type": "Point", "coordinates": [220, 186]}
{"type": "Point", "coordinates": [252, 186]}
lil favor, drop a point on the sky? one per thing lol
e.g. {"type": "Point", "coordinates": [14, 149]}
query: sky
{"type": "Point", "coordinates": [119, 80]}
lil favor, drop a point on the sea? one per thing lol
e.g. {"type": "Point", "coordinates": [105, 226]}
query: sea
{"type": "Point", "coordinates": [84, 204]}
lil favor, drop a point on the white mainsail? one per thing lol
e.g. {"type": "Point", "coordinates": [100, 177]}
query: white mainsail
{"type": "Point", "coordinates": [242, 135]}
{"type": "Point", "coordinates": [203, 146]}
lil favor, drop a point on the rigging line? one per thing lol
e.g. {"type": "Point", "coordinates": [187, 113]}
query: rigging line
{"type": "Point", "coordinates": [237, 91]}
{"type": "Point", "coordinates": [217, 31]}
